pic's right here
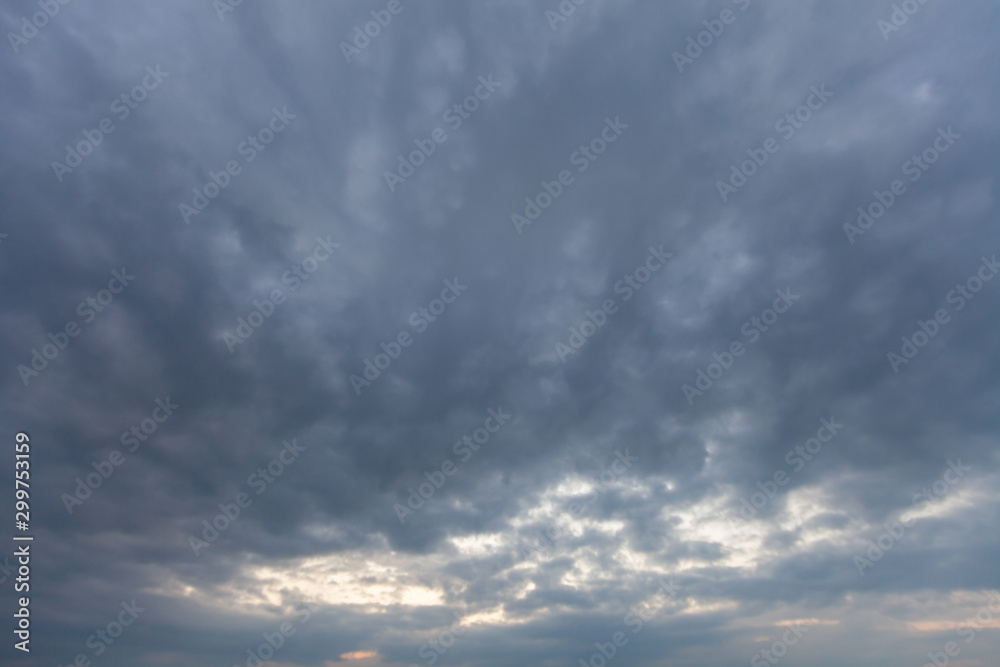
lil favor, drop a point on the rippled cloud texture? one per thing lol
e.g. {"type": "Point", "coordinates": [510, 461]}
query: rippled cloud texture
{"type": "Point", "coordinates": [503, 333]}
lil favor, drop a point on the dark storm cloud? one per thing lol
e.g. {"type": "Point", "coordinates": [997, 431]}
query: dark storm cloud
{"type": "Point", "coordinates": [324, 528]}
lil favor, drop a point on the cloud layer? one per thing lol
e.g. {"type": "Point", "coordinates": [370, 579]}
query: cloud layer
{"type": "Point", "coordinates": [477, 333]}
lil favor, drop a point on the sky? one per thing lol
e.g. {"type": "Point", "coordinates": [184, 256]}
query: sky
{"type": "Point", "coordinates": [396, 333]}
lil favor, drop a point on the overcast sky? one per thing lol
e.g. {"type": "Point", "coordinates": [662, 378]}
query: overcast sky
{"type": "Point", "coordinates": [502, 333]}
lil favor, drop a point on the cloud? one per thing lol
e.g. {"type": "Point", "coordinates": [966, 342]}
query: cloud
{"type": "Point", "coordinates": [496, 542]}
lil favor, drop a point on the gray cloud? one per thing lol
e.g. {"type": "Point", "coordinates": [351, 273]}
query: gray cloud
{"type": "Point", "coordinates": [324, 530]}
